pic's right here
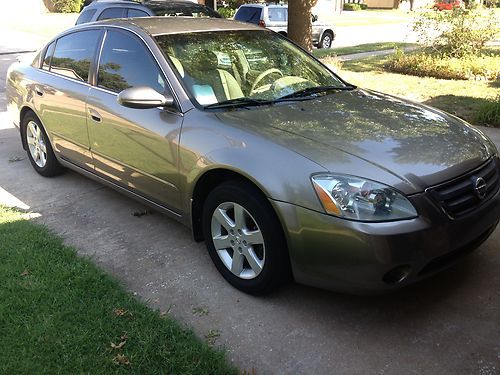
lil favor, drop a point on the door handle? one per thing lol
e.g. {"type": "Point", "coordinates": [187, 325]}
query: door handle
{"type": "Point", "coordinates": [94, 115]}
{"type": "Point", "coordinates": [38, 91]}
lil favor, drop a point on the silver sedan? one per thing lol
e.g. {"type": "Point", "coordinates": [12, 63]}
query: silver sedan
{"type": "Point", "coordinates": [281, 167]}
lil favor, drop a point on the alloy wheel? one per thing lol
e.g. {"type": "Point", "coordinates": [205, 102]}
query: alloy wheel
{"type": "Point", "coordinates": [238, 240]}
{"type": "Point", "coordinates": [36, 144]}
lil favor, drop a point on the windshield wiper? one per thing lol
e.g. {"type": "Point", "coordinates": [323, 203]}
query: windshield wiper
{"type": "Point", "coordinates": [316, 90]}
{"type": "Point", "coordinates": [239, 102]}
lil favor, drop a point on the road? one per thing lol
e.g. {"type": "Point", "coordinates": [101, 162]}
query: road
{"type": "Point", "coordinates": [445, 325]}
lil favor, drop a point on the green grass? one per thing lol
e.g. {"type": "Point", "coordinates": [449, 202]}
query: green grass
{"type": "Point", "coordinates": [368, 47]}
{"type": "Point", "coordinates": [465, 99]}
{"type": "Point", "coordinates": [60, 314]}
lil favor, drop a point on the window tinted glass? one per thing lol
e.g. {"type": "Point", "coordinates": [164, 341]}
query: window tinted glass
{"type": "Point", "coordinates": [248, 14]}
{"type": "Point", "coordinates": [111, 13]}
{"type": "Point", "coordinates": [85, 16]}
{"type": "Point", "coordinates": [73, 54]}
{"type": "Point", "coordinates": [48, 56]}
{"type": "Point", "coordinates": [187, 10]}
{"type": "Point", "coordinates": [136, 13]}
{"type": "Point", "coordinates": [126, 62]}
{"type": "Point", "coordinates": [277, 15]}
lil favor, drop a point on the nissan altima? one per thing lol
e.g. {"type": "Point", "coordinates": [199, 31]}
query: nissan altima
{"type": "Point", "coordinates": [283, 169]}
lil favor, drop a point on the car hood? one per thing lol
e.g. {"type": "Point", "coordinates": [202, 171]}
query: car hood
{"type": "Point", "coordinates": [420, 145]}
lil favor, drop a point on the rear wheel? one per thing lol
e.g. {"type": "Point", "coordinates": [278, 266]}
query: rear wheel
{"type": "Point", "coordinates": [244, 238]}
{"type": "Point", "coordinates": [326, 40]}
{"type": "Point", "coordinates": [38, 147]}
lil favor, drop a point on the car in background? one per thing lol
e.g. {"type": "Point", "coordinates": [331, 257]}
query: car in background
{"type": "Point", "coordinates": [275, 17]}
{"type": "Point", "coordinates": [279, 165]}
{"type": "Point", "coordinates": [108, 9]}
{"type": "Point", "coordinates": [447, 4]}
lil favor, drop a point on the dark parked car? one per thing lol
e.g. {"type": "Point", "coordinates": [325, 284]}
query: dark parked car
{"type": "Point", "coordinates": [280, 166]}
{"type": "Point", "coordinates": [108, 9]}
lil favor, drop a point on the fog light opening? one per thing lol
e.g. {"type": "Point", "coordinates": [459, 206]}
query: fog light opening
{"type": "Point", "coordinates": [397, 275]}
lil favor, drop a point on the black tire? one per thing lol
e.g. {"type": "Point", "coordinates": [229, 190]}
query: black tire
{"type": "Point", "coordinates": [276, 267]}
{"type": "Point", "coordinates": [326, 40]}
{"type": "Point", "coordinates": [52, 167]}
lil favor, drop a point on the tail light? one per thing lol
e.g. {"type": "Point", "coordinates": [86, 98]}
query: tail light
{"type": "Point", "coordinates": [262, 23]}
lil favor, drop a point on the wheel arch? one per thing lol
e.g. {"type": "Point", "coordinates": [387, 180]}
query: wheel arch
{"type": "Point", "coordinates": [206, 183]}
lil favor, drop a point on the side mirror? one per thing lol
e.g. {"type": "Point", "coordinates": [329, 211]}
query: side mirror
{"type": "Point", "coordinates": [314, 18]}
{"type": "Point", "coordinates": [143, 97]}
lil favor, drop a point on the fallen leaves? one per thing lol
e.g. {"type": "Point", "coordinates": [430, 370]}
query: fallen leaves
{"type": "Point", "coordinates": [121, 359]}
{"type": "Point", "coordinates": [118, 346]}
{"type": "Point", "coordinates": [212, 336]}
{"type": "Point", "coordinates": [121, 312]}
{"type": "Point", "coordinates": [15, 158]}
{"type": "Point", "coordinates": [200, 311]}
{"type": "Point", "coordinates": [26, 272]}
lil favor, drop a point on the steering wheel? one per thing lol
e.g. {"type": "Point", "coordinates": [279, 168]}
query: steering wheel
{"type": "Point", "coordinates": [262, 75]}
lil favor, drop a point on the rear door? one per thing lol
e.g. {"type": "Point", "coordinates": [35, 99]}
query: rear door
{"type": "Point", "coordinates": [135, 148]}
{"type": "Point", "coordinates": [62, 91]}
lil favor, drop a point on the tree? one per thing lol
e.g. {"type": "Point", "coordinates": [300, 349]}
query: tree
{"type": "Point", "coordinates": [300, 22]}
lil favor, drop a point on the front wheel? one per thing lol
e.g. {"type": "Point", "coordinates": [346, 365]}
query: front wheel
{"type": "Point", "coordinates": [244, 238]}
{"type": "Point", "coordinates": [326, 40]}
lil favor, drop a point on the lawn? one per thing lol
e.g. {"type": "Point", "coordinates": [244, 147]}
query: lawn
{"type": "Point", "coordinates": [367, 47]}
{"type": "Point", "coordinates": [61, 314]}
{"type": "Point", "coordinates": [461, 98]}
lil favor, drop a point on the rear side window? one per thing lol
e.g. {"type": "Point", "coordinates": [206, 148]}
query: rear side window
{"type": "Point", "coordinates": [126, 62]}
{"type": "Point", "coordinates": [112, 13]}
{"type": "Point", "coordinates": [277, 15]}
{"type": "Point", "coordinates": [248, 14]}
{"type": "Point", "coordinates": [48, 56]}
{"type": "Point", "coordinates": [136, 13]}
{"type": "Point", "coordinates": [85, 16]}
{"type": "Point", "coordinates": [73, 54]}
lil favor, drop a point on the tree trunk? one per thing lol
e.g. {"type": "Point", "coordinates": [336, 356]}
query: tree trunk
{"type": "Point", "coordinates": [299, 22]}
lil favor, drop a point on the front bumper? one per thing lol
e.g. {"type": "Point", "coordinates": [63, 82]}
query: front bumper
{"type": "Point", "coordinates": [356, 257]}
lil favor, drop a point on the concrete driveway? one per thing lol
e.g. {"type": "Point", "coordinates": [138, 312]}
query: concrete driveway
{"type": "Point", "coordinates": [449, 324]}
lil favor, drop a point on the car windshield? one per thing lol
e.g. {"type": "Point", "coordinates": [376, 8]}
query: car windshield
{"type": "Point", "coordinates": [245, 67]}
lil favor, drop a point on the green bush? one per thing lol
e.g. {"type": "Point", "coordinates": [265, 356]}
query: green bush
{"type": "Point", "coordinates": [424, 64]}
{"type": "Point", "coordinates": [363, 6]}
{"type": "Point", "coordinates": [489, 113]}
{"type": "Point", "coordinates": [226, 12]}
{"type": "Point", "coordinates": [457, 33]}
{"type": "Point", "coordinates": [352, 6]}
{"type": "Point", "coordinates": [67, 6]}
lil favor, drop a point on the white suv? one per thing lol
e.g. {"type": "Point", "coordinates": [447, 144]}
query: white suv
{"type": "Point", "coordinates": [275, 17]}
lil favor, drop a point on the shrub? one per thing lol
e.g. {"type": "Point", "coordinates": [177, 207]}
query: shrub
{"type": "Point", "coordinates": [352, 6]}
{"type": "Point", "coordinates": [67, 6]}
{"type": "Point", "coordinates": [428, 65]}
{"type": "Point", "coordinates": [456, 33]}
{"type": "Point", "coordinates": [363, 6]}
{"type": "Point", "coordinates": [489, 113]}
{"type": "Point", "coordinates": [226, 12]}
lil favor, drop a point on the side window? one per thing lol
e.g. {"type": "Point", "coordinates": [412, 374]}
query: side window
{"type": "Point", "coordinates": [48, 56]}
{"type": "Point", "coordinates": [277, 15]}
{"type": "Point", "coordinates": [248, 14]}
{"type": "Point", "coordinates": [136, 13]}
{"type": "Point", "coordinates": [85, 16]}
{"type": "Point", "coordinates": [112, 13]}
{"type": "Point", "coordinates": [126, 62]}
{"type": "Point", "coordinates": [74, 53]}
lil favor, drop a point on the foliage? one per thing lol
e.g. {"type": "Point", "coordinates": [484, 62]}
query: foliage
{"type": "Point", "coordinates": [226, 12]}
{"type": "Point", "coordinates": [366, 47]}
{"type": "Point", "coordinates": [352, 6]}
{"type": "Point", "coordinates": [428, 65]}
{"type": "Point", "coordinates": [457, 33]}
{"type": "Point", "coordinates": [59, 314]}
{"type": "Point", "coordinates": [67, 6]}
{"type": "Point", "coordinates": [489, 112]}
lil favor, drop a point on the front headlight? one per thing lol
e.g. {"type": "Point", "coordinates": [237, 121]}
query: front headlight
{"type": "Point", "coordinates": [361, 199]}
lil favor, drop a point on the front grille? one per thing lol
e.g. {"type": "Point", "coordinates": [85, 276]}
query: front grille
{"type": "Point", "coordinates": [459, 196]}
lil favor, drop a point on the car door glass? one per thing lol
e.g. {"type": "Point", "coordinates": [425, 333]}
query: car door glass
{"type": "Point", "coordinates": [73, 54]}
{"type": "Point", "coordinates": [111, 13]}
{"type": "Point", "coordinates": [248, 14]}
{"type": "Point", "coordinates": [136, 13]}
{"type": "Point", "coordinates": [85, 16]}
{"type": "Point", "coordinates": [48, 55]}
{"type": "Point", "coordinates": [277, 15]}
{"type": "Point", "coordinates": [125, 62]}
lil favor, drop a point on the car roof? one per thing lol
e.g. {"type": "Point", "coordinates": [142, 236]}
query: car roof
{"type": "Point", "coordinates": [264, 6]}
{"type": "Point", "coordinates": [175, 25]}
